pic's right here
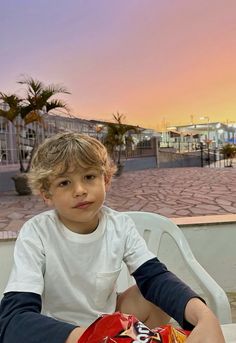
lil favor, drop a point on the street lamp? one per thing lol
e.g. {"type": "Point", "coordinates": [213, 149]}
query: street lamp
{"type": "Point", "coordinates": [98, 129]}
{"type": "Point", "coordinates": [208, 141]}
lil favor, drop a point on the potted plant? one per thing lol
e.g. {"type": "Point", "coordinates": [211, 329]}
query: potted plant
{"type": "Point", "coordinates": [228, 151]}
{"type": "Point", "coordinates": [116, 139]}
{"type": "Point", "coordinates": [22, 112]}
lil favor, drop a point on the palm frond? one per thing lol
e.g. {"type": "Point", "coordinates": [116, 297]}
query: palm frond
{"type": "Point", "coordinates": [14, 106]}
{"type": "Point", "coordinates": [38, 97]}
{"type": "Point", "coordinates": [33, 116]}
{"type": "Point", "coordinates": [56, 89]}
{"type": "Point", "coordinates": [53, 104]}
{"type": "Point", "coordinates": [34, 87]}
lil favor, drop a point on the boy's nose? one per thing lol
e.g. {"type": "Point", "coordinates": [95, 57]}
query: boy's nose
{"type": "Point", "coordinates": [79, 190]}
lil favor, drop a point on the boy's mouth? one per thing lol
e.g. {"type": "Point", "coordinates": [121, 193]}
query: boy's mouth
{"type": "Point", "coordinates": [83, 204]}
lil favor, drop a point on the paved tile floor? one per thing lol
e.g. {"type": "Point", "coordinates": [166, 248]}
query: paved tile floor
{"type": "Point", "coordinates": [179, 192]}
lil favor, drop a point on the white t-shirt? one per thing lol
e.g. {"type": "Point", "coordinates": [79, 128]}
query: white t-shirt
{"type": "Point", "coordinates": [75, 274]}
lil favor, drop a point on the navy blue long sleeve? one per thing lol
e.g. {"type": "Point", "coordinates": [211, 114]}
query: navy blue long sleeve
{"type": "Point", "coordinates": [22, 322]}
{"type": "Point", "coordinates": [161, 287]}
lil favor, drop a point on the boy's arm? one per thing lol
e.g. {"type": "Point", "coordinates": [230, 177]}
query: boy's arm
{"type": "Point", "coordinates": [21, 321]}
{"type": "Point", "coordinates": [207, 327]}
{"type": "Point", "coordinates": [158, 285]}
{"type": "Point", "coordinates": [164, 289]}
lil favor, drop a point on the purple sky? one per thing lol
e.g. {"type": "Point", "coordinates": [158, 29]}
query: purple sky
{"type": "Point", "coordinates": [156, 61]}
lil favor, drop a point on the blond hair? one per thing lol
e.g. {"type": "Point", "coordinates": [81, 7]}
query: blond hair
{"type": "Point", "coordinates": [67, 150]}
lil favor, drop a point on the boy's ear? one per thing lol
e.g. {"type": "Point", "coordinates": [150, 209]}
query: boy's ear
{"type": "Point", "coordinates": [107, 180]}
{"type": "Point", "coordinates": [46, 197]}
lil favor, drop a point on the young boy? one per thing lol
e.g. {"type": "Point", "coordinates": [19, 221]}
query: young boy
{"type": "Point", "coordinates": [67, 260]}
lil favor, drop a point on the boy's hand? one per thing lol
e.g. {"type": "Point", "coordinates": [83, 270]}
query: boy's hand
{"type": "Point", "coordinates": [207, 328]}
{"type": "Point", "coordinates": [206, 333]}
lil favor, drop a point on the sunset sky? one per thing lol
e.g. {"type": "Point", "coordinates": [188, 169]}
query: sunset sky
{"type": "Point", "coordinates": [159, 62]}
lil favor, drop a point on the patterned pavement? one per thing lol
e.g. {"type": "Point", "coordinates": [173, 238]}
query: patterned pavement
{"type": "Point", "coordinates": [179, 192]}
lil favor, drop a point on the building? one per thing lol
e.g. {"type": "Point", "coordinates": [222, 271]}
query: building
{"type": "Point", "coordinates": [189, 137]}
{"type": "Point", "coordinates": [52, 124]}
{"type": "Point", "coordinates": [10, 140]}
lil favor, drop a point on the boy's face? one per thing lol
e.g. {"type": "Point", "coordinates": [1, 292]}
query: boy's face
{"type": "Point", "coordinates": [77, 197]}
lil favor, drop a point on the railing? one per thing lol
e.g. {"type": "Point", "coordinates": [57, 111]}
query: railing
{"type": "Point", "coordinates": [13, 144]}
{"type": "Point", "coordinates": [214, 158]}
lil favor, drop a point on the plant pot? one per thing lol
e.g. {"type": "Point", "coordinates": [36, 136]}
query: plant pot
{"type": "Point", "coordinates": [120, 168]}
{"type": "Point", "coordinates": [21, 184]}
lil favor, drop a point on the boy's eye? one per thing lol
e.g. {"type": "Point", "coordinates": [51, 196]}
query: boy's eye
{"type": "Point", "coordinates": [63, 183]}
{"type": "Point", "coordinates": [90, 177]}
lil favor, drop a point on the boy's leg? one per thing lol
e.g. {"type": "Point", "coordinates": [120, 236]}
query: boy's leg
{"type": "Point", "coordinates": [132, 302]}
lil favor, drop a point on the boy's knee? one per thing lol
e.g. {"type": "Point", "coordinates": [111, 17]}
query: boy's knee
{"type": "Point", "coordinates": [132, 302]}
{"type": "Point", "coordinates": [128, 300]}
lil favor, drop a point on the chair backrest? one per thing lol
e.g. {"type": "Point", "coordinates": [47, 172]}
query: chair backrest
{"type": "Point", "coordinates": [153, 228]}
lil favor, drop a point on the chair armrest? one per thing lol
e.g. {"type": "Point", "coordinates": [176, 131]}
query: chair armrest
{"type": "Point", "coordinates": [229, 332]}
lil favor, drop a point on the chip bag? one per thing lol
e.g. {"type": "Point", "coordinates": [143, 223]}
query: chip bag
{"type": "Point", "coordinates": [124, 328]}
{"type": "Point", "coordinates": [170, 334]}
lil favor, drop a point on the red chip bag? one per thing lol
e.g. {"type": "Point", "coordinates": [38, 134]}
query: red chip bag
{"type": "Point", "coordinates": [124, 328]}
{"type": "Point", "coordinates": [169, 334]}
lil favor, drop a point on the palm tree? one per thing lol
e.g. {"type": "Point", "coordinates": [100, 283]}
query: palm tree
{"type": "Point", "coordinates": [115, 137]}
{"type": "Point", "coordinates": [31, 109]}
{"type": "Point", "coordinates": [24, 111]}
{"type": "Point", "coordinates": [228, 151]}
{"type": "Point", "coordinates": [37, 103]}
{"type": "Point", "coordinates": [13, 113]}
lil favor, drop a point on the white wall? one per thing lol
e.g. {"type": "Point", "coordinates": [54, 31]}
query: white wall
{"type": "Point", "coordinates": [6, 258]}
{"type": "Point", "coordinates": [214, 246]}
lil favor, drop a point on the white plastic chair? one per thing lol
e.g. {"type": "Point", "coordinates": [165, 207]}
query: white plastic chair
{"type": "Point", "coordinates": [152, 227]}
